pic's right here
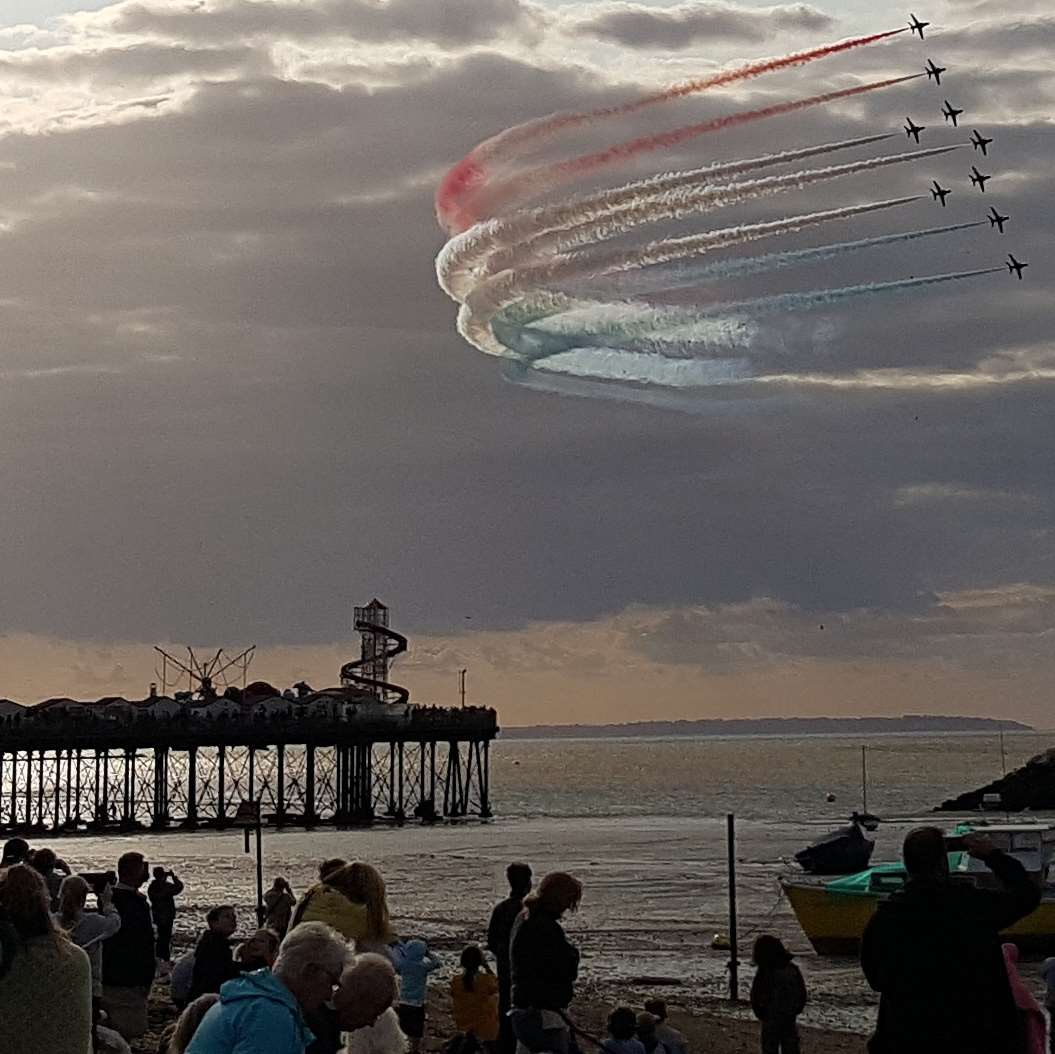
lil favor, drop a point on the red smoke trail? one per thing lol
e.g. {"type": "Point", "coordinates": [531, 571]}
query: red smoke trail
{"type": "Point", "coordinates": [542, 179]}
{"type": "Point", "coordinates": [470, 174]}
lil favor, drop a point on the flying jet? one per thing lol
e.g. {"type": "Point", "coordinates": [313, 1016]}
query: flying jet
{"type": "Point", "coordinates": [980, 142]}
{"type": "Point", "coordinates": [996, 220]}
{"type": "Point", "coordinates": [939, 193]}
{"type": "Point", "coordinates": [951, 113]}
{"type": "Point", "coordinates": [934, 71]}
{"type": "Point", "coordinates": [978, 179]}
{"type": "Point", "coordinates": [913, 129]}
{"type": "Point", "coordinates": [917, 26]}
{"type": "Point", "coordinates": [1014, 267]}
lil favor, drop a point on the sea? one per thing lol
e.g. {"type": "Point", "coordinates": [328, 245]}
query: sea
{"type": "Point", "coordinates": [643, 823]}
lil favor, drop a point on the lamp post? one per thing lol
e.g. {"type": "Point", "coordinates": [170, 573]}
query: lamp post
{"type": "Point", "coordinates": [461, 684]}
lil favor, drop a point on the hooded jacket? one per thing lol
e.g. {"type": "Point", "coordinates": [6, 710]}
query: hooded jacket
{"type": "Point", "coordinates": [415, 964]}
{"type": "Point", "coordinates": [256, 1014]}
{"type": "Point", "coordinates": [932, 951]}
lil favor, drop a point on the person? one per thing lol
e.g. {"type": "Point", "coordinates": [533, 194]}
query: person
{"type": "Point", "coordinates": [88, 930]}
{"type": "Point", "coordinates": [498, 930]}
{"type": "Point", "coordinates": [162, 893]}
{"type": "Point", "coordinates": [545, 965]}
{"type": "Point", "coordinates": [52, 870]}
{"type": "Point", "coordinates": [351, 899]}
{"type": "Point", "coordinates": [259, 952]}
{"type": "Point", "coordinates": [128, 956]}
{"type": "Point", "coordinates": [474, 994]}
{"type": "Point", "coordinates": [279, 903]}
{"type": "Point", "coordinates": [176, 1037]}
{"type": "Point", "coordinates": [363, 1004]}
{"type": "Point", "coordinates": [932, 951]}
{"type": "Point", "coordinates": [669, 1036]}
{"type": "Point", "coordinates": [329, 865]}
{"type": "Point", "coordinates": [263, 1012]}
{"type": "Point", "coordinates": [46, 993]}
{"type": "Point", "coordinates": [213, 959]}
{"type": "Point", "coordinates": [15, 852]}
{"type": "Point", "coordinates": [1047, 972]}
{"type": "Point", "coordinates": [1031, 1017]}
{"type": "Point", "coordinates": [622, 1033]}
{"type": "Point", "coordinates": [414, 965]}
{"type": "Point", "coordinates": [646, 1033]}
{"type": "Point", "coordinates": [778, 995]}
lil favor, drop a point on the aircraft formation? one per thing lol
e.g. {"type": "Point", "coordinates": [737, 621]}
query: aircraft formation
{"type": "Point", "coordinates": [978, 141]}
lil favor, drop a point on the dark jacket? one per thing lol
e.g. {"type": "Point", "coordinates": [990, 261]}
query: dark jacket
{"type": "Point", "coordinates": [162, 894]}
{"type": "Point", "coordinates": [779, 994]}
{"type": "Point", "coordinates": [128, 956]}
{"type": "Point", "coordinates": [545, 965]}
{"type": "Point", "coordinates": [213, 964]}
{"type": "Point", "coordinates": [932, 951]}
{"type": "Point", "coordinates": [499, 930]}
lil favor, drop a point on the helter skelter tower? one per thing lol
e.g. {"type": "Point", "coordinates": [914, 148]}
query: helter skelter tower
{"type": "Point", "coordinates": [380, 646]}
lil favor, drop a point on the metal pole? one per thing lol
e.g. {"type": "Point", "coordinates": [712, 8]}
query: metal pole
{"type": "Point", "coordinates": [461, 679]}
{"type": "Point", "coordinates": [260, 912]}
{"type": "Point", "coordinates": [864, 779]}
{"type": "Point", "coordinates": [734, 961]}
{"type": "Point", "coordinates": [1003, 756]}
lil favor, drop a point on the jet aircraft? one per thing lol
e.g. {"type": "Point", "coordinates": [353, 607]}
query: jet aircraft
{"type": "Point", "coordinates": [934, 71]}
{"type": "Point", "coordinates": [980, 142]}
{"type": "Point", "coordinates": [978, 179]}
{"type": "Point", "coordinates": [1014, 267]}
{"type": "Point", "coordinates": [996, 220]}
{"type": "Point", "coordinates": [951, 113]}
{"type": "Point", "coordinates": [913, 130]}
{"type": "Point", "coordinates": [939, 193]}
{"type": "Point", "coordinates": [917, 26]}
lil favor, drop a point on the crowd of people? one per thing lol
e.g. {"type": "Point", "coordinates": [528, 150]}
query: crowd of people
{"type": "Point", "coordinates": [327, 973]}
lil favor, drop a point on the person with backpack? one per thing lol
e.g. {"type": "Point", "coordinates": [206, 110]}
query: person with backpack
{"type": "Point", "coordinates": [474, 994]}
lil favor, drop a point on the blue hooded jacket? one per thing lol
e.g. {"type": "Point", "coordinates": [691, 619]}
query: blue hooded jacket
{"type": "Point", "coordinates": [256, 1014]}
{"type": "Point", "coordinates": [414, 965]}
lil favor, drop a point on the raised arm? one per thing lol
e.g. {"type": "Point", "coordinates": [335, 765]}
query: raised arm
{"type": "Point", "coordinates": [1020, 895]}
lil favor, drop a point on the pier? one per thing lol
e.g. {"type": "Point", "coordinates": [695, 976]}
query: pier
{"type": "Point", "coordinates": [356, 754]}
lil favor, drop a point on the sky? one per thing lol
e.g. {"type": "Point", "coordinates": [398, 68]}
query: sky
{"type": "Point", "coordinates": [233, 401]}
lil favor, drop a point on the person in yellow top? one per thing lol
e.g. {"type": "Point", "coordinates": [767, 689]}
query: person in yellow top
{"type": "Point", "coordinates": [475, 995]}
{"type": "Point", "coordinates": [351, 899]}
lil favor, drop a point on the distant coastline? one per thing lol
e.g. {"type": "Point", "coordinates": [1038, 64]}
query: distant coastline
{"type": "Point", "coordinates": [772, 726]}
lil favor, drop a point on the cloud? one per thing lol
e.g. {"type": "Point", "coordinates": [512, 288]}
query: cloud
{"type": "Point", "coordinates": [688, 25]}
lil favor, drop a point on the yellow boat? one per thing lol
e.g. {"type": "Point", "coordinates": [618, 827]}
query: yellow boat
{"type": "Point", "coordinates": [833, 914]}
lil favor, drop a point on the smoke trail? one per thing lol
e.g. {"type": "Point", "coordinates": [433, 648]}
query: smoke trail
{"type": "Point", "coordinates": [686, 201]}
{"type": "Point", "coordinates": [690, 275]}
{"type": "Point", "coordinates": [539, 180]}
{"type": "Point", "coordinates": [483, 302]}
{"type": "Point", "coordinates": [470, 173]}
{"type": "Point", "coordinates": [464, 254]}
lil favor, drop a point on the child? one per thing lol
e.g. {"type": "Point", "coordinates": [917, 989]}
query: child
{"type": "Point", "coordinates": [213, 959]}
{"type": "Point", "coordinates": [622, 1033]}
{"type": "Point", "coordinates": [475, 995]}
{"type": "Point", "coordinates": [778, 996]}
{"type": "Point", "coordinates": [415, 964]}
{"type": "Point", "coordinates": [259, 952]}
{"type": "Point", "coordinates": [669, 1036]}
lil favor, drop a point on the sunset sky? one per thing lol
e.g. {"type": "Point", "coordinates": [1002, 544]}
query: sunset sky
{"type": "Point", "coordinates": [233, 402]}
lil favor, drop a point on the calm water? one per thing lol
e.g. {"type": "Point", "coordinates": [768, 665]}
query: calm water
{"type": "Point", "coordinates": [642, 823]}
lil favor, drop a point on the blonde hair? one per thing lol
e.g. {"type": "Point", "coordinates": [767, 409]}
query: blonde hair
{"type": "Point", "coordinates": [189, 1021]}
{"type": "Point", "coordinates": [363, 884]}
{"type": "Point", "coordinates": [72, 894]}
{"type": "Point", "coordinates": [557, 893]}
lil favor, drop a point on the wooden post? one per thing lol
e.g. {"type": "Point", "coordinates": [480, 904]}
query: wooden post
{"type": "Point", "coordinates": [864, 779]}
{"type": "Point", "coordinates": [734, 954]}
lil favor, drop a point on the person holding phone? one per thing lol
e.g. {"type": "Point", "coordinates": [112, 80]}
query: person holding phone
{"type": "Point", "coordinates": [162, 893]}
{"type": "Point", "coordinates": [933, 952]}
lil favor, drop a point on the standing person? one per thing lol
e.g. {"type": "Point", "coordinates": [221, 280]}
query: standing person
{"type": "Point", "coordinates": [46, 993]}
{"type": "Point", "coordinates": [415, 964]}
{"type": "Point", "coordinates": [778, 995]}
{"type": "Point", "coordinates": [932, 951]}
{"type": "Point", "coordinates": [279, 902]}
{"type": "Point", "coordinates": [351, 899]}
{"type": "Point", "coordinates": [1031, 1017]}
{"type": "Point", "coordinates": [622, 1033]}
{"type": "Point", "coordinates": [545, 965]}
{"type": "Point", "coordinates": [162, 893]}
{"type": "Point", "coordinates": [669, 1036]}
{"type": "Point", "coordinates": [474, 993]}
{"type": "Point", "coordinates": [213, 958]}
{"type": "Point", "coordinates": [263, 1012]}
{"type": "Point", "coordinates": [498, 932]}
{"type": "Point", "coordinates": [88, 931]}
{"type": "Point", "coordinates": [128, 956]}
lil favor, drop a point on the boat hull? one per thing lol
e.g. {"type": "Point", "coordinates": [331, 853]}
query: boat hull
{"type": "Point", "coordinates": [834, 923]}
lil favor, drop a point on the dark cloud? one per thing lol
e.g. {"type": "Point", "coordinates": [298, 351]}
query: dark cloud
{"type": "Point", "coordinates": [689, 25]}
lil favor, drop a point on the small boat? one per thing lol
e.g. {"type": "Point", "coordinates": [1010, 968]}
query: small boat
{"type": "Point", "coordinates": [834, 914]}
{"type": "Point", "coordinates": [840, 852]}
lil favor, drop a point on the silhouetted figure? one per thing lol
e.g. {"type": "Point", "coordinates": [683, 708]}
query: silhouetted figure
{"type": "Point", "coordinates": [622, 1033]}
{"type": "Point", "coordinates": [498, 933]}
{"type": "Point", "coordinates": [214, 963]}
{"type": "Point", "coordinates": [162, 893]}
{"type": "Point", "coordinates": [279, 903]}
{"type": "Point", "coordinates": [933, 952]}
{"type": "Point", "coordinates": [778, 995]}
{"type": "Point", "coordinates": [669, 1036]}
